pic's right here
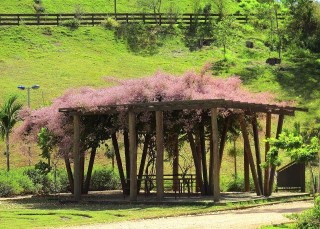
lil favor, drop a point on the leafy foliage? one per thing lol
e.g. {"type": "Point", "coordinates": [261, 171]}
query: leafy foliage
{"type": "Point", "coordinates": [8, 119]}
{"type": "Point", "coordinates": [310, 218]}
{"type": "Point", "coordinates": [294, 146]}
{"type": "Point", "coordinates": [225, 33]}
{"type": "Point", "coordinates": [71, 23]}
{"type": "Point", "coordinates": [104, 179]}
{"type": "Point", "coordinates": [110, 23]}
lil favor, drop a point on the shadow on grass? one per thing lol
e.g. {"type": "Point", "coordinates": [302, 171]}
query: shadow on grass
{"type": "Point", "coordinates": [302, 78]}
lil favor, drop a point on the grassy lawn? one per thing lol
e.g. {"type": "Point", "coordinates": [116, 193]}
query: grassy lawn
{"type": "Point", "coordinates": [45, 212]}
{"type": "Point", "coordinates": [69, 6]}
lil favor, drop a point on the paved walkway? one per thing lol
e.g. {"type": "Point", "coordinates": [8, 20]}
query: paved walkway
{"type": "Point", "coordinates": [248, 218]}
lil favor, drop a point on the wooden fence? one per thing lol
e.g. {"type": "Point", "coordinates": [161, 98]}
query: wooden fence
{"type": "Point", "coordinates": [96, 18]}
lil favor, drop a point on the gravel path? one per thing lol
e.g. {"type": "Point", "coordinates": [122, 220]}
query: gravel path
{"type": "Point", "coordinates": [247, 218]}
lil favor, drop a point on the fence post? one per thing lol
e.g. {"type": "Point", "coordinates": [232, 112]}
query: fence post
{"type": "Point", "coordinates": [190, 19]}
{"type": "Point", "coordinates": [127, 17]}
{"type": "Point", "coordinates": [18, 19]}
{"type": "Point", "coordinates": [144, 18]}
{"type": "Point", "coordinates": [160, 19]}
{"type": "Point", "coordinates": [38, 19]}
{"type": "Point", "coordinates": [92, 19]}
{"type": "Point", "coordinates": [58, 19]}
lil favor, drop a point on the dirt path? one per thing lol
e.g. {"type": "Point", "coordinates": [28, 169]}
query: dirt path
{"type": "Point", "coordinates": [248, 219]}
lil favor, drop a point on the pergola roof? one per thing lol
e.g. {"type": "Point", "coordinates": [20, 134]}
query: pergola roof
{"type": "Point", "coordinates": [186, 104]}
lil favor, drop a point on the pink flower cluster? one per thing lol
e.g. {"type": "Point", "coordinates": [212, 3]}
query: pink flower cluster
{"type": "Point", "coordinates": [189, 86]}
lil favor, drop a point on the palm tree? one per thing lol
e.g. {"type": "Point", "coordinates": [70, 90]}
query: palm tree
{"type": "Point", "coordinates": [8, 118]}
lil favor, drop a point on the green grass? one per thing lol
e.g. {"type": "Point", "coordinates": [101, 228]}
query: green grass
{"type": "Point", "coordinates": [47, 212]}
{"type": "Point", "coordinates": [71, 59]}
{"type": "Point", "coordinates": [106, 6]}
{"type": "Point", "coordinates": [280, 226]}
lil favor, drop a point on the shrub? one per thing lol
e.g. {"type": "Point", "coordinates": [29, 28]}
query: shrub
{"type": "Point", "coordinates": [104, 179]}
{"type": "Point", "coordinates": [14, 183]}
{"type": "Point", "coordinates": [71, 24]}
{"type": "Point", "coordinates": [110, 23]}
{"type": "Point", "coordinates": [310, 218]}
{"type": "Point", "coordinates": [141, 38]}
{"type": "Point", "coordinates": [237, 185]}
{"type": "Point", "coordinates": [43, 183]}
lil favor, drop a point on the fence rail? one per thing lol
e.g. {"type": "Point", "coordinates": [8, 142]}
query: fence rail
{"type": "Point", "coordinates": [96, 18]}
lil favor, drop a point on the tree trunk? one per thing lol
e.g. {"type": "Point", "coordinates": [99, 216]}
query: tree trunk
{"type": "Point", "coordinates": [257, 149]}
{"type": "Point", "coordinates": [175, 163]}
{"type": "Point", "coordinates": [235, 160]}
{"type": "Point", "coordinates": [119, 163]}
{"type": "Point", "coordinates": [69, 172]}
{"type": "Point", "coordinates": [89, 172]}
{"type": "Point", "coordinates": [319, 174]}
{"type": "Point", "coordinates": [246, 170]}
{"type": "Point", "coordinates": [196, 161]}
{"type": "Point", "coordinates": [312, 179]}
{"type": "Point", "coordinates": [273, 167]}
{"type": "Point", "coordinates": [8, 150]}
{"type": "Point", "coordinates": [82, 160]}
{"type": "Point", "coordinates": [204, 158]}
{"type": "Point", "coordinates": [127, 157]}
{"type": "Point", "coordinates": [143, 159]}
{"type": "Point", "coordinates": [223, 138]}
{"type": "Point", "coordinates": [248, 154]}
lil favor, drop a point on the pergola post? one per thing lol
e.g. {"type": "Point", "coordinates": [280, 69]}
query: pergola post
{"type": "Point", "coordinates": [160, 149]}
{"type": "Point", "coordinates": [133, 156]}
{"type": "Point", "coordinates": [76, 158]}
{"type": "Point", "coordinates": [216, 157]}
{"type": "Point", "coordinates": [267, 148]}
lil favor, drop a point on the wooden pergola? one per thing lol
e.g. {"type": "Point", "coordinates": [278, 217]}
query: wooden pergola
{"type": "Point", "coordinates": [213, 105]}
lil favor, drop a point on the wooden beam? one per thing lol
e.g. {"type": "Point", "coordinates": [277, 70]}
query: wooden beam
{"type": "Point", "coordinates": [160, 149]}
{"type": "Point", "coordinates": [273, 168]}
{"type": "Point", "coordinates": [216, 157]}
{"type": "Point", "coordinates": [76, 158]}
{"type": "Point", "coordinates": [133, 156]}
{"type": "Point", "coordinates": [267, 148]}
{"type": "Point", "coordinates": [257, 149]}
{"type": "Point", "coordinates": [248, 153]}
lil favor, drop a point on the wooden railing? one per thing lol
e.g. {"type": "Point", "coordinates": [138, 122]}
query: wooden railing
{"type": "Point", "coordinates": [96, 18]}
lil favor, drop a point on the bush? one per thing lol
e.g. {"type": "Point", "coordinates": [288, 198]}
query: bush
{"type": "Point", "coordinates": [104, 179]}
{"type": "Point", "coordinates": [237, 185]}
{"type": "Point", "coordinates": [72, 23]}
{"type": "Point", "coordinates": [310, 218]}
{"type": "Point", "coordinates": [14, 183]}
{"type": "Point", "coordinates": [110, 23]}
{"type": "Point", "coordinates": [43, 183]}
{"type": "Point", "coordinates": [141, 38]}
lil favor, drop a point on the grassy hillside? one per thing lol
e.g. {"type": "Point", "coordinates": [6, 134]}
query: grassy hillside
{"type": "Point", "coordinates": [106, 6]}
{"type": "Point", "coordinates": [58, 58]}
{"type": "Point", "coordinates": [68, 59]}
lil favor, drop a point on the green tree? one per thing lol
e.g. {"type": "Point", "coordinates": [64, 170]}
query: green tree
{"type": "Point", "coordinates": [8, 118]}
{"type": "Point", "coordinates": [46, 142]}
{"type": "Point", "coordinates": [225, 33]}
{"type": "Point", "coordinates": [299, 149]}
